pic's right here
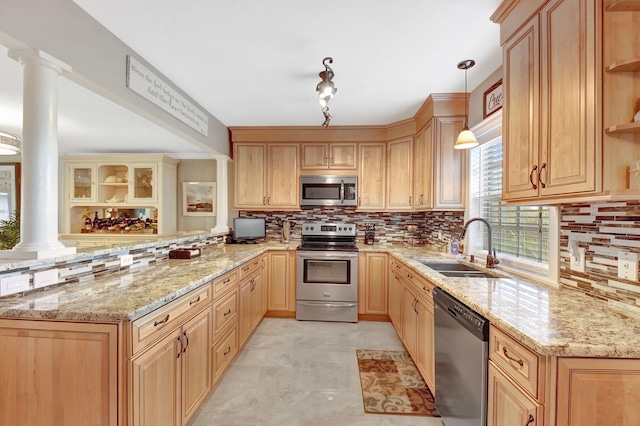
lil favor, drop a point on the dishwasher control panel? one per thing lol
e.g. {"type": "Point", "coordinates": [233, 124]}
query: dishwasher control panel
{"type": "Point", "coordinates": [469, 318]}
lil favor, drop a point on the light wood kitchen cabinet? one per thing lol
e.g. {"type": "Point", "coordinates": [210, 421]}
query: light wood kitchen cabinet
{"type": "Point", "coordinates": [400, 174]}
{"type": "Point", "coordinates": [281, 281]}
{"type": "Point", "coordinates": [410, 320]}
{"type": "Point", "coordinates": [58, 373]}
{"type": "Point", "coordinates": [372, 283]}
{"type": "Point", "coordinates": [595, 392]}
{"type": "Point", "coordinates": [372, 176]}
{"type": "Point", "coordinates": [324, 156]}
{"type": "Point", "coordinates": [425, 347]}
{"type": "Point", "coordinates": [172, 377]}
{"type": "Point", "coordinates": [253, 303]}
{"type": "Point", "coordinates": [266, 176]}
{"type": "Point", "coordinates": [551, 132]}
{"type": "Point", "coordinates": [449, 189]}
{"type": "Point", "coordinates": [396, 290]}
{"type": "Point", "coordinates": [423, 168]}
{"type": "Point", "coordinates": [508, 404]}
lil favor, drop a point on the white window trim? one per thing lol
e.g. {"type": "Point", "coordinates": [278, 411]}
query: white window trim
{"type": "Point", "coordinates": [485, 131]}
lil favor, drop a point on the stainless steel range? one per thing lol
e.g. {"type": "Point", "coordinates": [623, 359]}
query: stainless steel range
{"type": "Point", "coordinates": [327, 273]}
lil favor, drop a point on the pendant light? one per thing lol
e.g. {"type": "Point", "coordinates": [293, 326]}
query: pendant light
{"type": "Point", "coordinates": [326, 89]}
{"type": "Point", "coordinates": [466, 138]}
{"type": "Point", "coordinates": [9, 144]}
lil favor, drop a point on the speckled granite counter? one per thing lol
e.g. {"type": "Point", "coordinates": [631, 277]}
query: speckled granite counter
{"type": "Point", "coordinates": [551, 321]}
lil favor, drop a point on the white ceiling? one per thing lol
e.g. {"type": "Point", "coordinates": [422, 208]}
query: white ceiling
{"type": "Point", "coordinates": [256, 63]}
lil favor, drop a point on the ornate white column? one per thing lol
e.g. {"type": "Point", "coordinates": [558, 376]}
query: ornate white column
{"type": "Point", "coordinates": [222, 190]}
{"type": "Point", "coordinates": [39, 193]}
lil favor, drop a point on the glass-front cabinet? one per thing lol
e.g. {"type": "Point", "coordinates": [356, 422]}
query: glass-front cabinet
{"type": "Point", "coordinates": [116, 195]}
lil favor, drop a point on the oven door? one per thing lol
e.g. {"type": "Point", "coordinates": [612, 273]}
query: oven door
{"type": "Point", "coordinates": [327, 276]}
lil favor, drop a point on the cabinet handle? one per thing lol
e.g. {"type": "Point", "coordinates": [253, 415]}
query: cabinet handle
{"type": "Point", "coordinates": [227, 351]}
{"type": "Point", "coordinates": [226, 281]}
{"type": "Point", "coordinates": [413, 305]}
{"type": "Point", "coordinates": [179, 350]}
{"type": "Point", "coordinates": [157, 323]}
{"type": "Point", "coordinates": [542, 184]}
{"type": "Point", "coordinates": [359, 201]}
{"type": "Point", "coordinates": [268, 200]}
{"type": "Point", "coordinates": [193, 302]}
{"type": "Point", "coordinates": [410, 200]}
{"type": "Point", "coordinates": [426, 289]}
{"type": "Point", "coordinates": [410, 276]}
{"type": "Point", "coordinates": [187, 345]}
{"type": "Point", "coordinates": [245, 269]}
{"type": "Point", "coordinates": [530, 420]}
{"type": "Point", "coordinates": [331, 161]}
{"type": "Point", "coordinates": [227, 313]}
{"type": "Point", "coordinates": [264, 200]}
{"type": "Point", "coordinates": [531, 177]}
{"type": "Point", "coordinates": [326, 161]}
{"type": "Point", "coordinates": [519, 361]}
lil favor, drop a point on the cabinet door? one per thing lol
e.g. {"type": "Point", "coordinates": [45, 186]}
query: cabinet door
{"type": "Point", "coordinates": [245, 321]}
{"type": "Point", "coordinates": [400, 175]}
{"type": "Point", "coordinates": [196, 365]}
{"type": "Point", "coordinates": [371, 183]}
{"type": "Point", "coordinates": [395, 302]}
{"type": "Point", "coordinates": [250, 176]}
{"type": "Point", "coordinates": [156, 376]}
{"type": "Point", "coordinates": [450, 170]}
{"type": "Point", "coordinates": [508, 404]}
{"type": "Point", "coordinates": [570, 151]}
{"type": "Point", "coordinates": [423, 168]}
{"type": "Point", "coordinates": [82, 179]}
{"type": "Point", "coordinates": [314, 156]}
{"type": "Point", "coordinates": [281, 281]}
{"type": "Point", "coordinates": [143, 183]}
{"type": "Point", "coordinates": [258, 299]}
{"type": "Point", "coordinates": [342, 156]}
{"type": "Point", "coordinates": [284, 190]}
{"type": "Point", "coordinates": [425, 344]}
{"type": "Point", "coordinates": [409, 321]}
{"type": "Point", "coordinates": [373, 283]}
{"type": "Point", "coordinates": [521, 65]}
{"type": "Point", "coordinates": [595, 392]}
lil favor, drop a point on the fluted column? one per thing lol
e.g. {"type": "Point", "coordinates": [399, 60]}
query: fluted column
{"type": "Point", "coordinates": [222, 196]}
{"type": "Point", "coordinates": [39, 191]}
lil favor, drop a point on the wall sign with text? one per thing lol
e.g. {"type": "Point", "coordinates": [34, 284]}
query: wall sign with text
{"type": "Point", "coordinates": [493, 99]}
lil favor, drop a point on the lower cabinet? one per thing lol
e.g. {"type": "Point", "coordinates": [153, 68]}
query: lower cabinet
{"type": "Point", "coordinates": [172, 377]}
{"type": "Point", "coordinates": [396, 289]}
{"type": "Point", "coordinates": [509, 405]}
{"type": "Point", "coordinates": [281, 280]}
{"type": "Point", "coordinates": [425, 348]}
{"type": "Point", "coordinates": [253, 303]}
{"type": "Point", "coordinates": [372, 283]}
{"type": "Point", "coordinates": [224, 350]}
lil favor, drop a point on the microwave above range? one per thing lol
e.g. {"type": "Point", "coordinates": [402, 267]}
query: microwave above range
{"type": "Point", "coordinates": [328, 190]}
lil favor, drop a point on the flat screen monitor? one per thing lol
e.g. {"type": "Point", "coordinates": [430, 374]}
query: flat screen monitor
{"type": "Point", "coordinates": [249, 229]}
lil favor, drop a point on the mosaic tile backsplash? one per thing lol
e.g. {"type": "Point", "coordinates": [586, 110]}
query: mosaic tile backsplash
{"type": "Point", "coordinates": [435, 229]}
{"type": "Point", "coordinates": [603, 230]}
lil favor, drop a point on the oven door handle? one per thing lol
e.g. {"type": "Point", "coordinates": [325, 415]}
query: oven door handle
{"type": "Point", "coordinates": [328, 305]}
{"type": "Point", "coordinates": [326, 255]}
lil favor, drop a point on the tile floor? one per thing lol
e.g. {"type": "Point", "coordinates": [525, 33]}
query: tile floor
{"type": "Point", "coordinates": [302, 373]}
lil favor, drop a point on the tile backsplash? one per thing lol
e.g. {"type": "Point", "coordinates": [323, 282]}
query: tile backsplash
{"type": "Point", "coordinates": [603, 230]}
{"type": "Point", "coordinates": [435, 229]}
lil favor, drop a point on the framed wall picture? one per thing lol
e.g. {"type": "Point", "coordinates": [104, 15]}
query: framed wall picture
{"type": "Point", "coordinates": [198, 198]}
{"type": "Point", "coordinates": [493, 99]}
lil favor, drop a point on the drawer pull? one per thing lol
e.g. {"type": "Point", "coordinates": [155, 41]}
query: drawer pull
{"type": "Point", "coordinates": [227, 351]}
{"type": "Point", "coordinates": [519, 361]}
{"type": "Point", "coordinates": [157, 323]}
{"type": "Point", "coordinates": [226, 281]}
{"type": "Point", "coordinates": [530, 420]}
{"type": "Point", "coordinates": [426, 289]}
{"type": "Point", "coordinates": [193, 302]}
{"type": "Point", "coordinates": [410, 276]}
{"type": "Point", "coordinates": [245, 269]}
{"type": "Point", "coordinates": [227, 313]}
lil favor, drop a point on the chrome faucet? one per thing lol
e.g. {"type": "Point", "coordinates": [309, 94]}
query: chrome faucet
{"type": "Point", "coordinates": [492, 260]}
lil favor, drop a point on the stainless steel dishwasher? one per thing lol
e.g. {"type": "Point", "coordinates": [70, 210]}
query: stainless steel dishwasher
{"type": "Point", "coordinates": [461, 358]}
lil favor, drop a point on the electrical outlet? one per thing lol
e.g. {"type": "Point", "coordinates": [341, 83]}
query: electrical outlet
{"type": "Point", "coordinates": [44, 278]}
{"type": "Point", "coordinates": [578, 259]}
{"type": "Point", "coordinates": [628, 265]}
{"type": "Point", "coordinates": [126, 260]}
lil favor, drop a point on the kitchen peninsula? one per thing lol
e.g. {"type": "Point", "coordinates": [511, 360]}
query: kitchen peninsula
{"type": "Point", "coordinates": [193, 316]}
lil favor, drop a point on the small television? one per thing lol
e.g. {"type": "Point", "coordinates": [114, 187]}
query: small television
{"type": "Point", "coordinates": [249, 229]}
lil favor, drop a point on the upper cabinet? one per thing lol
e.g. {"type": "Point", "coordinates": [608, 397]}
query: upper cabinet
{"type": "Point", "coordinates": [266, 176]}
{"type": "Point", "coordinates": [372, 176]}
{"type": "Point", "coordinates": [450, 174]}
{"type": "Point", "coordinates": [423, 167]}
{"type": "Point", "coordinates": [571, 86]}
{"type": "Point", "coordinates": [324, 156]}
{"type": "Point", "coordinates": [400, 174]}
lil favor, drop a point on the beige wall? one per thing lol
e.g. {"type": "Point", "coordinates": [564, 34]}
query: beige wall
{"type": "Point", "coordinates": [194, 171]}
{"type": "Point", "coordinates": [476, 97]}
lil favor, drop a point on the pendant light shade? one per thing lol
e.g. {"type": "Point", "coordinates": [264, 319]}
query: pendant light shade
{"type": "Point", "coordinates": [466, 138]}
{"type": "Point", "coordinates": [9, 144]}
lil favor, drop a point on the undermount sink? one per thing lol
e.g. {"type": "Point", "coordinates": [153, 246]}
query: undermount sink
{"type": "Point", "coordinates": [458, 270]}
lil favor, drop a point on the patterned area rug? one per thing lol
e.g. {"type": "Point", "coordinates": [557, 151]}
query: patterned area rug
{"type": "Point", "coordinates": [391, 384]}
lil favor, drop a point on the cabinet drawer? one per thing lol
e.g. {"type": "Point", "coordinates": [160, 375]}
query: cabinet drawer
{"type": "Point", "coordinates": [225, 312]}
{"type": "Point", "coordinates": [155, 324]}
{"type": "Point", "coordinates": [225, 282]}
{"type": "Point", "coordinates": [396, 267]}
{"type": "Point", "coordinates": [422, 285]}
{"type": "Point", "coordinates": [224, 351]}
{"type": "Point", "coordinates": [248, 268]}
{"type": "Point", "coordinates": [518, 362]}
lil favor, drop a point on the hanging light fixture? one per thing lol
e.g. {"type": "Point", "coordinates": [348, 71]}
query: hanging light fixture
{"type": "Point", "coordinates": [326, 89]}
{"type": "Point", "coordinates": [9, 144]}
{"type": "Point", "coordinates": [466, 138]}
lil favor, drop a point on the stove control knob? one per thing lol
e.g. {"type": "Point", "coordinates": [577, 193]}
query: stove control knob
{"type": "Point", "coordinates": [340, 228]}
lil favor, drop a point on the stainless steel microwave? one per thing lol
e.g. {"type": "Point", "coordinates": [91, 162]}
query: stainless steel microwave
{"type": "Point", "coordinates": [328, 190]}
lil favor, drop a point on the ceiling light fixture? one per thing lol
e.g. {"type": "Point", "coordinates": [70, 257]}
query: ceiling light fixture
{"type": "Point", "coordinates": [466, 138]}
{"type": "Point", "coordinates": [9, 144]}
{"type": "Point", "coordinates": [326, 89]}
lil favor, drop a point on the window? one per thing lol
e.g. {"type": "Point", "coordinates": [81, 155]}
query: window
{"type": "Point", "coordinates": [518, 231]}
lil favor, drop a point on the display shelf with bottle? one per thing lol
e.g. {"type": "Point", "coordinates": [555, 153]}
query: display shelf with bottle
{"type": "Point", "coordinates": [130, 194]}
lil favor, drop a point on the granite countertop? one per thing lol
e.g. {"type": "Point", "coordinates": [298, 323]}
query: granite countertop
{"type": "Point", "coordinates": [550, 321]}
